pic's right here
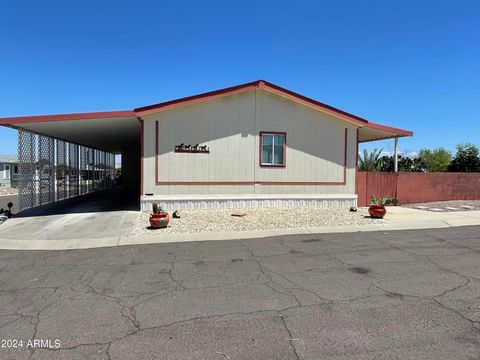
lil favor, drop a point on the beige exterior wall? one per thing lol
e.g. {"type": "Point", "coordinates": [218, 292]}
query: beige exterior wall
{"type": "Point", "coordinates": [230, 127]}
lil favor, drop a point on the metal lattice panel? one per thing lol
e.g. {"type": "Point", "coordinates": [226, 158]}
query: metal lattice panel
{"type": "Point", "coordinates": [82, 169]}
{"type": "Point", "coordinates": [111, 164]}
{"type": "Point", "coordinates": [51, 169]}
{"type": "Point", "coordinates": [61, 170]}
{"type": "Point", "coordinates": [46, 170]}
{"type": "Point", "coordinates": [26, 159]}
{"type": "Point", "coordinates": [97, 170]}
{"type": "Point", "coordinates": [91, 170]}
{"type": "Point", "coordinates": [104, 170]}
{"type": "Point", "coordinates": [73, 179]}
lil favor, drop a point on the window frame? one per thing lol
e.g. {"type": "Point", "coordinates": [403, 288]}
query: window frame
{"type": "Point", "coordinates": [273, 133]}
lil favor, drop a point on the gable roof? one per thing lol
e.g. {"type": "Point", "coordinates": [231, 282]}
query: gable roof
{"type": "Point", "coordinates": [373, 128]}
{"type": "Point", "coordinates": [259, 84]}
{"type": "Point", "coordinates": [375, 131]}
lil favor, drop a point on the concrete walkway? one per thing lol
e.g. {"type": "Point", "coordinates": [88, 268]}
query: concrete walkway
{"type": "Point", "coordinates": [90, 230]}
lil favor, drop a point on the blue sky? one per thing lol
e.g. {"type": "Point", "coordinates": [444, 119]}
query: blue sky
{"type": "Point", "coordinates": [409, 64]}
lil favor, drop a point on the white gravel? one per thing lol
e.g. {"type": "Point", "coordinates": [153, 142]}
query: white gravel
{"type": "Point", "coordinates": [195, 221]}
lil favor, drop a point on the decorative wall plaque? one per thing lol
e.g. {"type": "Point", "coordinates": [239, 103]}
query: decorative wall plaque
{"type": "Point", "coordinates": [192, 148]}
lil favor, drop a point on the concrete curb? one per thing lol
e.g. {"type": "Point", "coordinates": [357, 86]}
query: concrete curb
{"type": "Point", "coordinates": [171, 238]}
{"type": "Point", "coordinates": [55, 244]}
{"type": "Point", "coordinates": [397, 219]}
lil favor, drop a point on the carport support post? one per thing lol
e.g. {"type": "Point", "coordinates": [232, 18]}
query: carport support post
{"type": "Point", "coordinates": [395, 155]}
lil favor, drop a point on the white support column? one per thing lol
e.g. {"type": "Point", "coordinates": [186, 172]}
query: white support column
{"type": "Point", "coordinates": [395, 155]}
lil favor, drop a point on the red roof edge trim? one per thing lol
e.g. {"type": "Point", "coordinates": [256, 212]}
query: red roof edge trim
{"type": "Point", "coordinates": [314, 102]}
{"type": "Point", "coordinates": [145, 110]}
{"type": "Point", "coordinates": [64, 117]}
{"type": "Point", "coordinates": [260, 84]}
{"type": "Point", "coordinates": [396, 131]}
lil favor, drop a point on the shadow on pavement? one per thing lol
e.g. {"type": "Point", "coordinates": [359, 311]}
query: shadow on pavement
{"type": "Point", "coordinates": [115, 199]}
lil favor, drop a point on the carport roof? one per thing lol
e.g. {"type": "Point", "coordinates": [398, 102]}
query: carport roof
{"type": "Point", "coordinates": [368, 131]}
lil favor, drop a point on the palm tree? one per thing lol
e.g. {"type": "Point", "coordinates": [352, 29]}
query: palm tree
{"type": "Point", "coordinates": [369, 161]}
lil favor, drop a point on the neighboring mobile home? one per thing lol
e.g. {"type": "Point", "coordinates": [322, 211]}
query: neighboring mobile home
{"type": "Point", "coordinates": [251, 145]}
{"type": "Point", "coordinates": [8, 171]}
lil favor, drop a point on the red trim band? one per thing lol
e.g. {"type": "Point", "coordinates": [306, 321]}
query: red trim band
{"type": "Point", "coordinates": [158, 182]}
{"type": "Point", "coordinates": [345, 157]}
{"type": "Point", "coordinates": [142, 155]}
{"type": "Point", "coordinates": [356, 154]}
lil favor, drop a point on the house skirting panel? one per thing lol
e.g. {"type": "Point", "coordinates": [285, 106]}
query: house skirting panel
{"type": "Point", "coordinates": [218, 202]}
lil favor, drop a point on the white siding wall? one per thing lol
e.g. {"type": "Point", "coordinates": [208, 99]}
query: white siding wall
{"type": "Point", "coordinates": [230, 128]}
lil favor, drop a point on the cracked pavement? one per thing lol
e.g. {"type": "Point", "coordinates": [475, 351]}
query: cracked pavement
{"type": "Point", "coordinates": [372, 295]}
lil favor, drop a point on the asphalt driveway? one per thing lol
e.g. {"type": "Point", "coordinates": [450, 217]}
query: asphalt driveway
{"type": "Point", "coordinates": [396, 295]}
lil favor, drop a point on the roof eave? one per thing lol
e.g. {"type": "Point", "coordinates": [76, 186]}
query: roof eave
{"type": "Point", "coordinates": [66, 117]}
{"type": "Point", "coordinates": [396, 131]}
{"type": "Point", "coordinates": [384, 132]}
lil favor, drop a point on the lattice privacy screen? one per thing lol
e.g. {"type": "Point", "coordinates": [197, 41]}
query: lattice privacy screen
{"type": "Point", "coordinates": [52, 169]}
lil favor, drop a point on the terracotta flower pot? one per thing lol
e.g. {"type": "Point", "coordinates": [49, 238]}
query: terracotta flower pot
{"type": "Point", "coordinates": [377, 211]}
{"type": "Point", "coordinates": [159, 221]}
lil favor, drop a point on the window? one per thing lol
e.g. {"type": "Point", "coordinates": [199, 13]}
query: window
{"type": "Point", "coordinates": [6, 174]}
{"type": "Point", "coordinates": [273, 149]}
{"type": "Point", "coordinates": [15, 169]}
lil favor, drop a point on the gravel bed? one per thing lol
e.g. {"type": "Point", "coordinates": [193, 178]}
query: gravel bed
{"type": "Point", "coordinates": [451, 203]}
{"type": "Point", "coordinates": [195, 221]}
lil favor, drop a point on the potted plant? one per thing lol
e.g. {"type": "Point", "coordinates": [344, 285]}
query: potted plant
{"type": "Point", "coordinates": [377, 208]}
{"type": "Point", "coordinates": [158, 218]}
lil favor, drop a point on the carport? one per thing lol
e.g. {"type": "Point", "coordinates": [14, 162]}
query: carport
{"type": "Point", "coordinates": [69, 155]}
